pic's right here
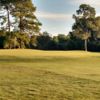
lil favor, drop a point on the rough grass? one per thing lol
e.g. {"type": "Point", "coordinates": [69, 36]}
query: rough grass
{"type": "Point", "coordinates": [49, 75]}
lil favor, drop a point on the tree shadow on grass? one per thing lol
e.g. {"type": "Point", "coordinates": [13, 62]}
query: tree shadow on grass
{"type": "Point", "coordinates": [9, 59]}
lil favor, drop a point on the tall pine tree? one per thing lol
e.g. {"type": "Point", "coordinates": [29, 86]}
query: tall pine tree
{"type": "Point", "coordinates": [26, 19]}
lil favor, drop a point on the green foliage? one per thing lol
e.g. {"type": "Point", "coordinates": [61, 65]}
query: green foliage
{"type": "Point", "coordinates": [24, 30]}
{"type": "Point", "coordinates": [26, 19]}
{"type": "Point", "coordinates": [33, 42]}
{"type": "Point", "coordinates": [43, 42]}
{"type": "Point", "coordinates": [10, 41]}
{"type": "Point", "coordinates": [18, 23]}
{"type": "Point", "coordinates": [16, 40]}
{"type": "Point", "coordinates": [23, 40]}
{"type": "Point", "coordinates": [84, 23]}
{"type": "Point", "coordinates": [86, 11]}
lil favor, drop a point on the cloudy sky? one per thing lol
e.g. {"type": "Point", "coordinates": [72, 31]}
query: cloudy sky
{"type": "Point", "coordinates": [56, 15]}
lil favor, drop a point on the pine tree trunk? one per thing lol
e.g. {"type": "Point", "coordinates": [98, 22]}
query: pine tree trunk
{"type": "Point", "coordinates": [8, 17]}
{"type": "Point", "coordinates": [85, 45]}
{"type": "Point", "coordinates": [20, 25]}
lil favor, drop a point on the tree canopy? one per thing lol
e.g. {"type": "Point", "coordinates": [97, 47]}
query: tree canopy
{"type": "Point", "coordinates": [20, 28]}
{"type": "Point", "coordinates": [85, 25]}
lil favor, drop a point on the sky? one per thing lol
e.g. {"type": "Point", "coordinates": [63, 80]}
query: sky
{"type": "Point", "coordinates": [56, 15]}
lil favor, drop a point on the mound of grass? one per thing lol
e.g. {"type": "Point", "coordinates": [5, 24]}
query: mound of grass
{"type": "Point", "coordinates": [49, 75]}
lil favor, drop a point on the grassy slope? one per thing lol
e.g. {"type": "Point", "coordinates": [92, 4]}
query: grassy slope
{"type": "Point", "coordinates": [45, 75]}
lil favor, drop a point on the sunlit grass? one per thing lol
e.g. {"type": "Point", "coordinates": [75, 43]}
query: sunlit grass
{"type": "Point", "coordinates": [49, 75]}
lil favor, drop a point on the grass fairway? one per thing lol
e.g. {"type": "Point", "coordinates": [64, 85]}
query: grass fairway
{"type": "Point", "coordinates": [49, 75]}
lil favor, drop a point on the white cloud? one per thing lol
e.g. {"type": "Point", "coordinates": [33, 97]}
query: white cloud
{"type": "Point", "coordinates": [53, 16]}
{"type": "Point", "coordinates": [59, 19]}
{"type": "Point", "coordinates": [98, 14]}
{"type": "Point", "coordinates": [91, 2]}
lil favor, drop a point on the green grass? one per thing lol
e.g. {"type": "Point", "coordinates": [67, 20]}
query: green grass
{"type": "Point", "coordinates": [49, 75]}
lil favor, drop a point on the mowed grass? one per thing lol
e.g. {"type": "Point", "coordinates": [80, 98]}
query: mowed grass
{"type": "Point", "coordinates": [49, 75]}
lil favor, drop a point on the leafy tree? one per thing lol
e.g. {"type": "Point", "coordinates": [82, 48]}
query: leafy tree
{"type": "Point", "coordinates": [84, 22]}
{"type": "Point", "coordinates": [97, 23]}
{"type": "Point", "coordinates": [10, 41]}
{"type": "Point", "coordinates": [62, 41]}
{"type": "Point", "coordinates": [33, 42]}
{"type": "Point", "coordinates": [43, 42]}
{"type": "Point", "coordinates": [23, 40]}
{"type": "Point", "coordinates": [25, 17]}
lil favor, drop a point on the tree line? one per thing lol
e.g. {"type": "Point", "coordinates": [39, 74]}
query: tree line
{"type": "Point", "coordinates": [20, 28]}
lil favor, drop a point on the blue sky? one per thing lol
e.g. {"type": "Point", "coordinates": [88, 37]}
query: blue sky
{"type": "Point", "coordinates": [56, 15]}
